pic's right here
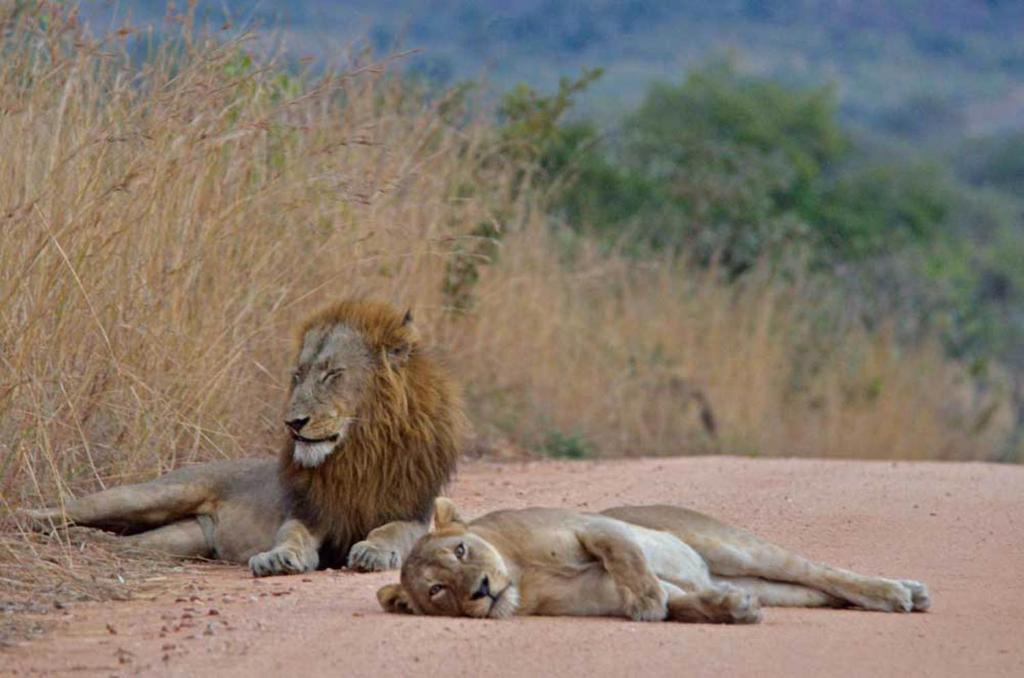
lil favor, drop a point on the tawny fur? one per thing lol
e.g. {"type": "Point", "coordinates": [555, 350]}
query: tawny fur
{"type": "Point", "coordinates": [646, 563]}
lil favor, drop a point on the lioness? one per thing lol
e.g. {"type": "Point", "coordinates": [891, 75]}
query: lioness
{"type": "Point", "coordinates": [374, 431]}
{"type": "Point", "coordinates": [647, 563]}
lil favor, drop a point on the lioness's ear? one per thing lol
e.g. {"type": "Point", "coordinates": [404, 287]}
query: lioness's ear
{"type": "Point", "coordinates": [395, 599]}
{"type": "Point", "coordinates": [445, 513]}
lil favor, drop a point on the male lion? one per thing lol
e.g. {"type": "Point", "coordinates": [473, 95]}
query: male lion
{"type": "Point", "coordinates": [375, 428]}
{"type": "Point", "coordinates": [647, 563]}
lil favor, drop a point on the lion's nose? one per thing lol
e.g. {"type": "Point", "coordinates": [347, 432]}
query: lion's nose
{"type": "Point", "coordinates": [484, 590]}
{"type": "Point", "coordinates": [296, 424]}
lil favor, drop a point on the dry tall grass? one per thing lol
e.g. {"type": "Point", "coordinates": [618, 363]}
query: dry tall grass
{"type": "Point", "coordinates": [165, 224]}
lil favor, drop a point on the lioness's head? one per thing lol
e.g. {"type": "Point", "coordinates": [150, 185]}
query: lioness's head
{"type": "Point", "coordinates": [342, 351]}
{"type": "Point", "coordinates": [453, 572]}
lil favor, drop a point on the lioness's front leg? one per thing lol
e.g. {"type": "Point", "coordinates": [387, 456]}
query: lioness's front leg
{"type": "Point", "coordinates": [642, 594]}
{"type": "Point", "coordinates": [385, 547]}
{"type": "Point", "coordinates": [296, 550]}
{"type": "Point", "coordinates": [720, 604]}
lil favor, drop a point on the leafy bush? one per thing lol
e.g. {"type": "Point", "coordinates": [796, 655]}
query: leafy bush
{"type": "Point", "coordinates": [567, 446]}
{"type": "Point", "coordinates": [723, 167]}
{"type": "Point", "coordinates": [882, 208]}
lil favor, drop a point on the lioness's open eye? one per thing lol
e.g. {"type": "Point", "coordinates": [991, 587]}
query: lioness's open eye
{"type": "Point", "coordinates": [435, 589]}
{"type": "Point", "coordinates": [460, 551]}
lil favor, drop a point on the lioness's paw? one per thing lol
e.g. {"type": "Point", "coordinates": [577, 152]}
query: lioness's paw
{"type": "Point", "coordinates": [884, 595]}
{"type": "Point", "coordinates": [731, 605]}
{"type": "Point", "coordinates": [919, 595]}
{"type": "Point", "coordinates": [744, 607]}
{"type": "Point", "coordinates": [282, 561]}
{"type": "Point", "coordinates": [651, 604]}
{"type": "Point", "coordinates": [365, 556]}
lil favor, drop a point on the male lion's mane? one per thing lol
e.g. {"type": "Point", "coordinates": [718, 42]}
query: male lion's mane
{"type": "Point", "coordinates": [399, 452]}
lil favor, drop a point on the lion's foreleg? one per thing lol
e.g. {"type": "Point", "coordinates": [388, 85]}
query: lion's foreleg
{"type": "Point", "coordinates": [386, 547]}
{"type": "Point", "coordinates": [641, 592]}
{"type": "Point", "coordinates": [296, 550]}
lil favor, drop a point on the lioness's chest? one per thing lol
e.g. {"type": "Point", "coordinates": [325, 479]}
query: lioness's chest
{"type": "Point", "coordinates": [560, 577]}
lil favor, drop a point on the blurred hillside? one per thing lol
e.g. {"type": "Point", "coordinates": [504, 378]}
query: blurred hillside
{"type": "Point", "coordinates": [959, 62]}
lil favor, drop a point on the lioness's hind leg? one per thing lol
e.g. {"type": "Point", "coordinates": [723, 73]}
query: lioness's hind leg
{"type": "Point", "coordinates": [919, 593]}
{"type": "Point", "coordinates": [767, 561]}
{"type": "Point", "coordinates": [782, 594]}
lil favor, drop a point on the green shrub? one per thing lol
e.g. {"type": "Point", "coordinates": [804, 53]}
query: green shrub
{"type": "Point", "coordinates": [566, 446]}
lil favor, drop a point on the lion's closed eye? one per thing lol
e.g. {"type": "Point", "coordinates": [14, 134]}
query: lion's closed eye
{"type": "Point", "coordinates": [331, 374]}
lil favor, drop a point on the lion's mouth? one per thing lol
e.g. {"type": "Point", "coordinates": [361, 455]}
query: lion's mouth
{"type": "Point", "coordinates": [333, 438]}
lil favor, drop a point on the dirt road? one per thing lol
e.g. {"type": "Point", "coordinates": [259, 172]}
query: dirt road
{"type": "Point", "coordinates": [958, 527]}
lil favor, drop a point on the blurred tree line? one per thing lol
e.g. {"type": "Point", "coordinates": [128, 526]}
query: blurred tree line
{"type": "Point", "coordinates": [736, 171]}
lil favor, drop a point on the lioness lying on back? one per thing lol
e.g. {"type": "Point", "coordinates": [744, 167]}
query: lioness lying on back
{"type": "Point", "coordinates": [647, 563]}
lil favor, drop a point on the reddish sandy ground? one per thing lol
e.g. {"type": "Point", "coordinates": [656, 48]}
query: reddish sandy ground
{"type": "Point", "coordinates": [959, 527]}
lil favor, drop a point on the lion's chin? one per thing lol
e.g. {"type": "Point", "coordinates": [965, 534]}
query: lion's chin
{"type": "Point", "coordinates": [311, 455]}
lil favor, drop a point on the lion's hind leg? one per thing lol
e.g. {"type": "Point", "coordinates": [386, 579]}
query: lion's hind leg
{"type": "Point", "coordinates": [129, 508]}
{"type": "Point", "coordinates": [184, 539]}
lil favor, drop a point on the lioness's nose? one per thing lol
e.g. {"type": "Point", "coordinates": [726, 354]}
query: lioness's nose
{"type": "Point", "coordinates": [297, 423]}
{"type": "Point", "coordinates": [484, 590]}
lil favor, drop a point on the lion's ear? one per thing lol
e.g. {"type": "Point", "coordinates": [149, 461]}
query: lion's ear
{"type": "Point", "coordinates": [445, 513]}
{"type": "Point", "coordinates": [399, 353]}
{"type": "Point", "coordinates": [395, 599]}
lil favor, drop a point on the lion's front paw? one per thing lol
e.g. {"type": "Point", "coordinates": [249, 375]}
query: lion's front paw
{"type": "Point", "coordinates": [650, 604]}
{"type": "Point", "coordinates": [365, 556]}
{"type": "Point", "coordinates": [282, 561]}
